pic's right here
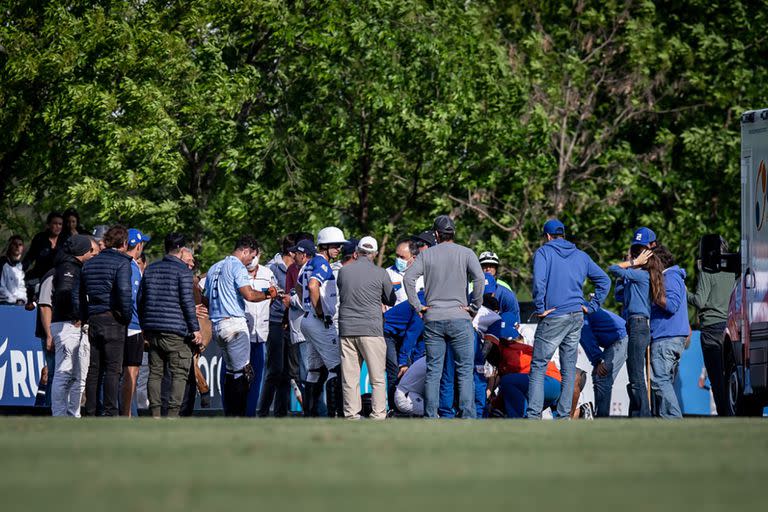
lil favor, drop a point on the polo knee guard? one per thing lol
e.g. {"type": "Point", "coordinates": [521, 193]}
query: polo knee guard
{"type": "Point", "coordinates": [313, 388]}
{"type": "Point", "coordinates": [333, 393]}
{"type": "Point", "coordinates": [236, 388]}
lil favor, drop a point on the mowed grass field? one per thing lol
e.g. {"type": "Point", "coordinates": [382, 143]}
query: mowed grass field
{"type": "Point", "coordinates": [228, 465]}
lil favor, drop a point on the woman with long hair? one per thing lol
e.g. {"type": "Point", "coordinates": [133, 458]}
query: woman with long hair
{"type": "Point", "coordinates": [669, 331]}
{"type": "Point", "coordinates": [72, 225]}
{"type": "Point", "coordinates": [633, 289]}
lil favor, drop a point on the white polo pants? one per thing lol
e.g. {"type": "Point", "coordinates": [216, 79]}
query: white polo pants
{"type": "Point", "coordinates": [323, 347]}
{"type": "Point", "coordinates": [73, 355]}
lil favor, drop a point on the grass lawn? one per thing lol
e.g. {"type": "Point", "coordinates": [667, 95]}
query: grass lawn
{"type": "Point", "coordinates": [227, 465]}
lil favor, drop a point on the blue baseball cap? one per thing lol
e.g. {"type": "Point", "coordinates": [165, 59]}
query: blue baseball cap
{"type": "Point", "coordinates": [490, 284]}
{"type": "Point", "coordinates": [504, 328]}
{"type": "Point", "coordinates": [554, 227]}
{"type": "Point", "coordinates": [643, 236]}
{"type": "Point", "coordinates": [135, 237]}
{"type": "Point", "coordinates": [349, 247]}
{"type": "Point", "coordinates": [305, 247]}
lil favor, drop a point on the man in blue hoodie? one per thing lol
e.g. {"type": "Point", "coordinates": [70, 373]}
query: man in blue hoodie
{"type": "Point", "coordinates": [669, 332]}
{"type": "Point", "coordinates": [604, 340]}
{"type": "Point", "coordinates": [559, 271]}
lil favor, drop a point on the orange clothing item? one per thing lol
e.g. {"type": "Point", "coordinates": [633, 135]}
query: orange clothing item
{"type": "Point", "coordinates": [517, 357]}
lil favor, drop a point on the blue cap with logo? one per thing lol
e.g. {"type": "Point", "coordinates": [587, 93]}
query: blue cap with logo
{"type": "Point", "coordinates": [305, 247]}
{"type": "Point", "coordinates": [554, 227]}
{"type": "Point", "coordinates": [643, 236]}
{"type": "Point", "coordinates": [504, 329]}
{"type": "Point", "coordinates": [135, 237]}
{"type": "Point", "coordinates": [490, 284]}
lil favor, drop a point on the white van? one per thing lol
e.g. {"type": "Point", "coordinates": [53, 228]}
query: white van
{"type": "Point", "coordinates": [746, 334]}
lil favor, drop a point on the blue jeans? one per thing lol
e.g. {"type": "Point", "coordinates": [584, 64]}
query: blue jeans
{"type": "Point", "coordinates": [514, 391]}
{"type": "Point", "coordinates": [554, 332]}
{"type": "Point", "coordinates": [481, 385]}
{"type": "Point", "coordinates": [639, 331]}
{"type": "Point", "coordinates": [438, 335]}
{"type": "Point", "coordinates": [257, 362]}
{"type": "Point", "coordinates": [50, 362]}
{"type": "Point", "coordinates": [613, 357]}
{"type": "Point", "coordinates": [665, 359]}
{"type": "Point", "coordinates": [445, 407]}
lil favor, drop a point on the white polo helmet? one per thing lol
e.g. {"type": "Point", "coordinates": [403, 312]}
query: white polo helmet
{"type": "Point", "coordinates": [330, 235]}
{"type": "Point", "coordinates": [488, 258]}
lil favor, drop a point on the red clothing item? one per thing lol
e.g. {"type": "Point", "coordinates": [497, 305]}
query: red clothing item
{"type": "Point", "coordinates": [291, 276]}
{"type": "Point", "coordinates": [517, 357]}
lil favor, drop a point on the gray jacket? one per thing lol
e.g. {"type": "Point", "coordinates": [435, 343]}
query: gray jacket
{"type": "Point", "coordinates": [363, 288]}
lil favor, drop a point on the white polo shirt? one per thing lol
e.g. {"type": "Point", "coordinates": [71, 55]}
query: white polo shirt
{"type": "Point", "coordinates": [257, 313]}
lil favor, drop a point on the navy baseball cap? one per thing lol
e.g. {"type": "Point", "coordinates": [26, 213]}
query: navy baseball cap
{"type": "Point", "coordinates": [305, 247]}
{"type": "Point", "coordinates": [349, 247]}
{"type": "Point", "coordinates": [135, 237]}
{"type": "Point", "coordinates": [490, 284]}
{"type": "Point", "coordinates": [99, 232]}
{"type": "Point", "coordinates": [554, 227]}
{"type": "Point", "coordinates": [444, 224]}
{"type": "Point", "coordinates": [425, 237]}
{"type": "Point", "coordinates": [643, 236]}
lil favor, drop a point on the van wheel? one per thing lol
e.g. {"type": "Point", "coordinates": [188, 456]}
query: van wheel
{"type": "Point", "coordinates": [738, 404]}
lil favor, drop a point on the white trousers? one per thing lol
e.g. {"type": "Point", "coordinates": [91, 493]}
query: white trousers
{"type": "Point", "coordinates": [73, 355]}
{"type": "Point", "coordinates": [323, 347]}
{"type": "Point", "coordinates": [409, 403]}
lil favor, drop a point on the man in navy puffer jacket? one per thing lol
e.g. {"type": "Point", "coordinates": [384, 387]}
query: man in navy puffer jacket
{"type": "Point", "coordinates": [106, 281]}
{"type": "Point", "coordinates": [166, 305]}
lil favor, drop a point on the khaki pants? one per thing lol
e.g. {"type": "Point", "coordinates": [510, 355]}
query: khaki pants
{"type": "Point", "coordinates": [372, 350]}
{"type": "Point", "coordinates": [171, 350]}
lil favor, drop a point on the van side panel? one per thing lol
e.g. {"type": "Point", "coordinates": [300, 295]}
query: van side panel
{"type": "Point", "coordinates": [754, 225]}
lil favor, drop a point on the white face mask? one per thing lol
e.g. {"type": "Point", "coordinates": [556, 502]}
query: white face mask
{"type": "Point", "coordinates": [254, 263]}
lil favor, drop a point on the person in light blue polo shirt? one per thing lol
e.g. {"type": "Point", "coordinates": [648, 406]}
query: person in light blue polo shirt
{"type": "Point", "coordinates": [227, 287]}
{"type": "Point", "coordinates": [604, 340]}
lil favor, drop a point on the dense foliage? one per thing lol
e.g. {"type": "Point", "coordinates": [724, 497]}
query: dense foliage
{"type": "Point", "coordinates": [218, 117]}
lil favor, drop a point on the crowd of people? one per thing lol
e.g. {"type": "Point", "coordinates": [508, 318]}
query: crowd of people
{"type": "Point", "coordinates": [438, 330]}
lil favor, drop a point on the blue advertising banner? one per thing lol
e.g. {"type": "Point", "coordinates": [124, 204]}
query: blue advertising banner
{"type": "Point", "coordinates": [693, 399]}
{"type": "Point", "coordinates": [21, 357]}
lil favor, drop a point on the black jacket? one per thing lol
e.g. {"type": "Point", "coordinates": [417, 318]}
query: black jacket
{"type": "Point", "coordinates": [40, 256]}
{"type": "Point", "coordinates": [66, 289]}
{"type": "Point", "coordinates": [166, 302]}
{"type": "Point", "coordinates": [106, 281]}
